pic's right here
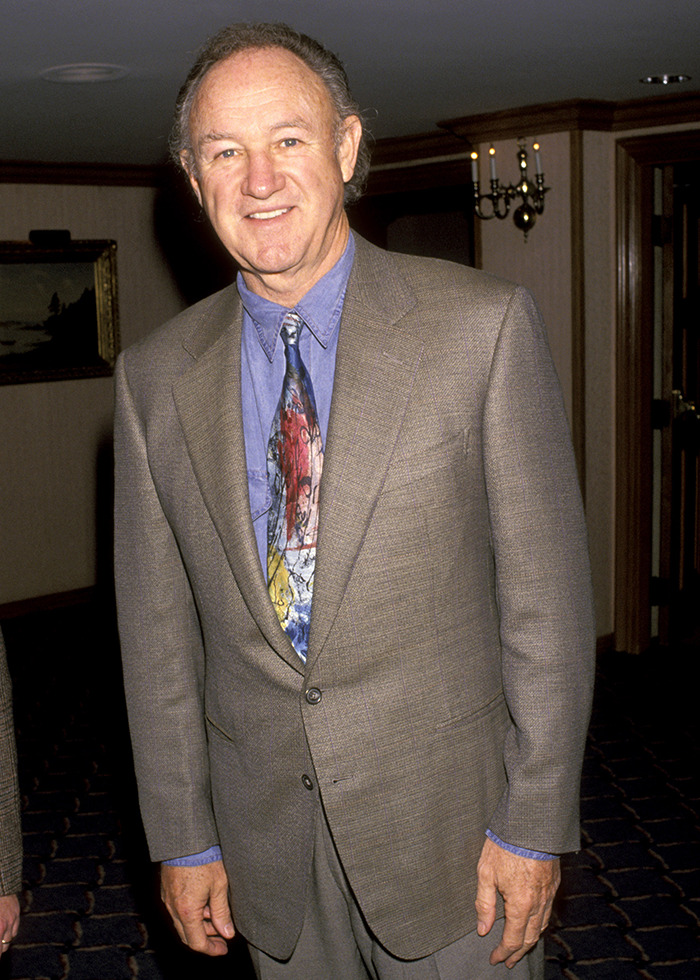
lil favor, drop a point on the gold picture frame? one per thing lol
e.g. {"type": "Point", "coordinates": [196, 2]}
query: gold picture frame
{"type": "Point", "coordinates": [58, 311]}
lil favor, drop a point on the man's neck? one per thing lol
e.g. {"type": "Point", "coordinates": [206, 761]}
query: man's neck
{"type": "Point", "coordinates": [289, 287]}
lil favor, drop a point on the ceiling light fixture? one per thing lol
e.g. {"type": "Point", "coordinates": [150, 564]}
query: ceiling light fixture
{"type": "Point", "coordinates": [85, 72]}
{"type": "Point", "coordinates": [664, 79]}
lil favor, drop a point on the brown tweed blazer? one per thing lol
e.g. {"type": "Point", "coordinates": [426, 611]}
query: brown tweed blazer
{"type": "Point", "coordinates": [449, 674]}
{"type": "Point", "coordinates": [10, 832]}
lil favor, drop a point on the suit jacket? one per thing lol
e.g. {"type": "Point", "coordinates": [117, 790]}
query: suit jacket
{"type": "Point", "coordinates": [448, 679]}
{"type": "Point", "coordinates": [10, 832]}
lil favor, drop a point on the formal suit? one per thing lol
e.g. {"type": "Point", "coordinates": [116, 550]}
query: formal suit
{"type": "Point", "coordinates": [448, 679]}
{"type": "Point", "coordinates": [10, 832]}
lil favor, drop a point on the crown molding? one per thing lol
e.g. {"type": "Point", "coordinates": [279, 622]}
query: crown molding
{"type": "Point", "coordinates": [99, 174]}
{"type": "Point", "coordinates": [577, 114]}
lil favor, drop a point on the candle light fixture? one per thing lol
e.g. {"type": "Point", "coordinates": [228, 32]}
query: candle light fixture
{"type": "Point", "coordinates": [496, 203]}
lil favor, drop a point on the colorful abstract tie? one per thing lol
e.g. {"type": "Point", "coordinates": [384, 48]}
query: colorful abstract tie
{"type": "Point", "coordinates": [294, 463]}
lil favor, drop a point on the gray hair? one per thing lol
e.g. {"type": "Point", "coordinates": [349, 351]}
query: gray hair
{"type": "Point", "coordinates": [240, 37]}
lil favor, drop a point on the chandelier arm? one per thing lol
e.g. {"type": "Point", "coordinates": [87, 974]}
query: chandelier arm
{"type": "Point", "coordinates": [499, 198]}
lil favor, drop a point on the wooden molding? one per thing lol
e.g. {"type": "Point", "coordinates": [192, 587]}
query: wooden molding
{"type": "Point", "coordinates": [410, 163]}
{"type": "Point", "coordinates": [577, 114]}
{"type": "Point", "coordinates": [663, 110]}
{"type": "Point", "coordinates": [604, 644]}
{"type": "Point", "coordinates": [633, 406]}
{"type": "Point", "coordinates": [44, 603]}
{"type": "Point", "coordinates": [99, 174]}
{"type": "Point", "coordinates": [635, 162]}
{"type": "Point", "coordinates": [549, 117]}
{"type": "Point", "coordinates": [578, 309]}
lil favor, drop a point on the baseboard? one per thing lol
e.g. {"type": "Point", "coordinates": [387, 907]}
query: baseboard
{"type": "Point", "coordinates": [45, 603]}
{"type": "Point", "coordinates": [605, 644]}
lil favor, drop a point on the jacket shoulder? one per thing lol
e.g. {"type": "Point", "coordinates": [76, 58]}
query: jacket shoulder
{"type": "Point", "coordinates": [190, 331]}
{"type": "Point", "coordinates": [435, 281]}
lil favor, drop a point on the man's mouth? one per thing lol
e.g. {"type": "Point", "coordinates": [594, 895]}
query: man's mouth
{"type": "Point", "coordinates": [266, 215]}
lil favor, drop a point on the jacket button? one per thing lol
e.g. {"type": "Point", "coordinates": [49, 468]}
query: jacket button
{"type": "Point", "coordinates": [307, 781]}
{"type": "Point", "coordinates": [313, 695]}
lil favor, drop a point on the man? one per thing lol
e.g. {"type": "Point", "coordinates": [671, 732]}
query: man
{"type": "Point", "coordinates": [10, 833]}
{"type": "Point", "coordinates": [418, 674]}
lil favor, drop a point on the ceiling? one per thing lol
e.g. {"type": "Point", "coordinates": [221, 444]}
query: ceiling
{"type": "Point", "coordinates": [411, 63]}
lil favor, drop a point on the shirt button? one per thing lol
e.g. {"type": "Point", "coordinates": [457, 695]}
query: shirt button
{"type": "Point", "coordinates": [307, 781]}
{"type": "Point", "coordinates": [313, 695]}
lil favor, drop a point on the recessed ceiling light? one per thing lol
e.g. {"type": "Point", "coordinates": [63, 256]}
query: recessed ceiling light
{"type": "Point", "coordinates": [664, 79]}
{"type": "Point", "coordinates": [85, 72]}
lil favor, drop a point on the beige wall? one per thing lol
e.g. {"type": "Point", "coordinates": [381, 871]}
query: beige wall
{"type": "Point", "coordinates": [543, 261]}
{"type": "Point", "coordinates": [600, 262]}
{"type": "Point", "coordinates": [54, 435]}
{"type": "Point", "coordinates": [544, 264]}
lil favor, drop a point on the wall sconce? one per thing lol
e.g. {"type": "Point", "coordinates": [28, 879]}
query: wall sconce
{"type": "Point", "coordinates": [500, 195]}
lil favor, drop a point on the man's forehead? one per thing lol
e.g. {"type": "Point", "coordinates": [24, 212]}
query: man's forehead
{"type": "Point", "coordinates": [255, 67]}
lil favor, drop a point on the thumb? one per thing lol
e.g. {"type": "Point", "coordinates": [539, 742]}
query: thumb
{"type": "Point", "coordinates": [485, 903]}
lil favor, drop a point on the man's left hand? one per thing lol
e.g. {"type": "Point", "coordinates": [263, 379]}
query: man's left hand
{"type": "Point", "coordinates": [9, 920]}
{"type": "Point", "coordinates": [528, 888]}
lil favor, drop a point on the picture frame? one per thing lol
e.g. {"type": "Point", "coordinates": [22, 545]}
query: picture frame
{"type": "Point", "coordinates": [58, 310]}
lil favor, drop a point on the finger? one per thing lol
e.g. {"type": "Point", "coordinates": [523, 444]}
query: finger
{"type": "Point", "coordinates": [520, 934]}
{"type": "Point", "coordinates": [220, 914]}
{"type": "Point", "coordinates": [485, 905]}
{"type": "Point", "coordinates": [512, 941]}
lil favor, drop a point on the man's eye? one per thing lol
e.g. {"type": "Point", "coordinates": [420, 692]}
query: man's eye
{"type": "Point", "coordinates": [227, 153]}
{"type": "Point", "coordinates": [291, 141]}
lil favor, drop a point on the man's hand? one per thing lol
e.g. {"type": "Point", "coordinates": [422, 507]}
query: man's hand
{"type": "Point", "coordinates": [9, 920]}
{"type": "Point", "coordinates": [528, 888]}
{"type": "Point", "coordinates": [197, 899]}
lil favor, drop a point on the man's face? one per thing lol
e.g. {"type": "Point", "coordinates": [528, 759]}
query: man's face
{"type": "Point", "coordinates": [267, 169]}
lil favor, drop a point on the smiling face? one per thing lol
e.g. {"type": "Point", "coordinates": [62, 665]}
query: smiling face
{"type": "Point", "coordinates": [270, 162]}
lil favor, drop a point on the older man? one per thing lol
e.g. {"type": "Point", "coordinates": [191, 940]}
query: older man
{"type": "Point", "coordinates": [10, 833]}
{"type": "Point", "coordinates": [351, 562]}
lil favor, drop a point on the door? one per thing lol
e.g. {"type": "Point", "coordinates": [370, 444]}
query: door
{"type": "Point", "coordinates": [677, 589]}
{"type": "Point", "coordinates": [656, 459]}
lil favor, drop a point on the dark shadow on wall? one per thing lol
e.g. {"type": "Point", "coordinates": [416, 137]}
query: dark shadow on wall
{"type": "Point", "coordinates": [199, 262]}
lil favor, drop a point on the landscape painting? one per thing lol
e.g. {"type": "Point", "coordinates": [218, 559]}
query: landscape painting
{"type": "Point", "coordinates": [58, 311]}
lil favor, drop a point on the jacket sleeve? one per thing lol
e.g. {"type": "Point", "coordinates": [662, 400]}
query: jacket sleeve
{"type": "Point", "coordinates": [543, 587]}
{"type": "Point", "coordinates": [10, 831]}
{"type": "Point", "coordinates": [162, 650]}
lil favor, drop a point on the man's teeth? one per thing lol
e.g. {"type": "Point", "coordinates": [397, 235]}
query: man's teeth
{"type": "Point", "coordinates": [264, 215]}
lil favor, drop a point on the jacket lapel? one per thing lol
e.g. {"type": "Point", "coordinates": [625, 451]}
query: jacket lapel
{"type": "Point", "coordinates": [376, 363]}
{"type": "Point", "coordinates": [208, 402]}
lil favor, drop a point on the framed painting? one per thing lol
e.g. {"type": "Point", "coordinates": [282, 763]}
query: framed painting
{"type": "Point", "coordinates": [58, 311]}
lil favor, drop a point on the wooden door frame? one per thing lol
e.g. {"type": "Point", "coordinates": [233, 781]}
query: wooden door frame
{"type": "Point", "coordinates": [635, 160]}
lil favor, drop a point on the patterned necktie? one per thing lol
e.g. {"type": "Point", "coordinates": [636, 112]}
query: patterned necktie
{"type": "Point", "coordinates": [294, 463]}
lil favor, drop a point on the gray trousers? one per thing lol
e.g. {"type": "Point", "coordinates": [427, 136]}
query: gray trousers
{"type": "Point", "coordinates": [335, 943]}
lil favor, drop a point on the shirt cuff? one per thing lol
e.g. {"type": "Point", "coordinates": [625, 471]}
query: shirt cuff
{"type": "Point", "coordinates": [194, 860]}
{"type": "Point", "coordinates": [521, 851]}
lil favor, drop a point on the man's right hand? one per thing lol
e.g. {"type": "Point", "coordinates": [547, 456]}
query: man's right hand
{"type": "Point", "coordinates": [197, 900]}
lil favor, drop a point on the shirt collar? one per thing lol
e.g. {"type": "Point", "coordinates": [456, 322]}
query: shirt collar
{"type": "Point", "coordinates": [320, 308]}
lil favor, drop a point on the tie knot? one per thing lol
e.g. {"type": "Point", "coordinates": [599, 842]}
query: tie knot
{"type": "Point", "coordinates": [291, 328]}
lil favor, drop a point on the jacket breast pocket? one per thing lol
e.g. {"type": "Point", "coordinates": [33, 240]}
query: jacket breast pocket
{"type": "Point", "coordinates": [414, 465]}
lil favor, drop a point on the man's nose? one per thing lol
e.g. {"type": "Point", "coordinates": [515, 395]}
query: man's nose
{"type": "Point", "coordinates": [262, 176]}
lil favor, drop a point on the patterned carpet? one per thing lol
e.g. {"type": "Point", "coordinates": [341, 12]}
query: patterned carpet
{"type": "Point", "coordinates": [629, 906]}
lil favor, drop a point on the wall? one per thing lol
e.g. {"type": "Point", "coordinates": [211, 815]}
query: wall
{"type": "Point", "coordinates": [543, 261]}
{"type": "Point", "coordinates": [600, 313]}
{"type": "Point", "coordinates": [55, 436]}
{"type": "Point", "coordinates": [544, 264]}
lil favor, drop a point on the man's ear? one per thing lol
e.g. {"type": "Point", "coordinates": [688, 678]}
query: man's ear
{"type": "Point", "coordinates": [348, 145]}
{"type": "Point", "coordinates": [188, 166]}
